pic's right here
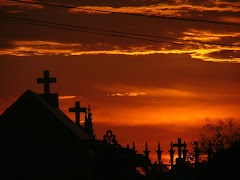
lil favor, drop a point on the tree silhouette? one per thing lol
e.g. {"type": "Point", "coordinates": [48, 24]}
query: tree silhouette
{"type": "Point", "coordinates": [220, 135]}
{"type": "Point", "coordinates": [222, 139]}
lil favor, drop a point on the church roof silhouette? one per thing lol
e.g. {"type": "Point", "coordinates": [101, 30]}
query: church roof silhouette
{"type": "Point", "coordinates": [38, 141]}
{"type": "Point", "coordinates": [32, 104]}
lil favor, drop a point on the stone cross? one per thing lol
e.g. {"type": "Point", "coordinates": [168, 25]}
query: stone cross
{"type": "Point", "coordinates": [77, 111]}
{"type": "Point", "coordinates": [179, 145]}
{"type": "Point", "coordinates": [46, 80]}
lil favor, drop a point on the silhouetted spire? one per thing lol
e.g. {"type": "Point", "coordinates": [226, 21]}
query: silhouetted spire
{"type": "Point", "coordinates": [159, 153]}
{"type": "Point", "coordinates": [134, 147]}
{"type": "Point", "coordinates": [146, 152]}
{"type": "Point", "coordinates": [77, 109]}
{"type": "Point", "coordinates": [171, 151]}
{"type": "Point", "coordinates": [88, 123]}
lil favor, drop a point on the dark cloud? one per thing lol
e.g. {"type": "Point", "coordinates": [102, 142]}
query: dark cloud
{"type": "Point", "coordinates": [225, 54]}
{"type": "Point", "coordinates": [93, 42]}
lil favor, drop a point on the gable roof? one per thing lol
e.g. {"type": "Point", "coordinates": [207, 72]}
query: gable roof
{"type": "Point", "coordinates": [30, 96]}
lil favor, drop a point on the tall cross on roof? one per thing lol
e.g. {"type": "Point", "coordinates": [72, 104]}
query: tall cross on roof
{"type": "Point", "coordinates": [46, 80]}
{"type": "Point", "coordinates": [77, 109]}
{"type": "Point", "coordinates": [179, 145]}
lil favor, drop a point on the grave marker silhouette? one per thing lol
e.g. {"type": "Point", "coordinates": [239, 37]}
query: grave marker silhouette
{"type": "Point", "coordinates": [77, 109]}
{"type": "Point", "coordinates": [179, 145]}
{"type": "Point", "coordinates": [180, 162]}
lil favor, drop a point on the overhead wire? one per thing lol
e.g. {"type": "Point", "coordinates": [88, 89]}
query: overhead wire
{"type": "Point", "coordinates": [106, 32]}
{"type": "Point", "coordinates": [71, 29]}
{"type": "Point", "coordinates": [125, 13]}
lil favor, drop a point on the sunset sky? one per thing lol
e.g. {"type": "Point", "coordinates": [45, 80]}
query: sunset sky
{"type": "Point", "coordinates": [143, 88]}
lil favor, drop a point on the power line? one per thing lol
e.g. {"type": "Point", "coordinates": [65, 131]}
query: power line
{"type": "Point", "coordinates": [65, 28]}
{"type": "Point", "coordinates": [79, 28]}
{"type": "Point", "coordinates": [133, 14]}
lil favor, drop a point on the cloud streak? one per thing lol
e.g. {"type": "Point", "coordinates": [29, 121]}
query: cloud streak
{"type": "Point", "coordinates": [41, 48]}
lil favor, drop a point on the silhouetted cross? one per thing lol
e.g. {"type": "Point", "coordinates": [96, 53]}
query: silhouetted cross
{"type": "Point", "coordinates": [46, 81]}
{"type": "Point", "coordinates": [179, 145]}
{"type": "Point", "coordinates": [77, 111]}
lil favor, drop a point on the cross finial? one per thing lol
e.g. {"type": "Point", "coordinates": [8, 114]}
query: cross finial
{"type": "Point", "coordinates": [146, 152]}
{"type": "Point", "coordinates": [159, 153]}
{"type": "Point", "coordinates": [133, 147]}
{"type": "Point", "coordinates": [46, 80]}
{"type": "Point", "coordinates": [159, 146]}
{"type": "Point", "coordinates": [77, 111]}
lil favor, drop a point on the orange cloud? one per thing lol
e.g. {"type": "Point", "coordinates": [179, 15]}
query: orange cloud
{"type": "Point", "coordinates": [20, 4]}
{"type": "Point", "coordinates": [67, 97]}
{"type": "Point", "coordinates": [29, 48]}
{"type": "Point", "coordinates": [127, 94]}
{"type": "Point", "coordinates": [207, 36]}
{"type": "Point", "coordinates": [167, 9]}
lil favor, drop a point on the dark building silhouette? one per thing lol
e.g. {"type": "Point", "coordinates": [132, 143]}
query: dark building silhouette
{"type": "Point", "coordinates": [41, 142]}
{"type": "Point", "coordinates": [38, 141]}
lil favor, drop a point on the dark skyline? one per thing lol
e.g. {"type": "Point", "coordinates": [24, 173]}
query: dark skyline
{"type": "Point", "coordinates": [142, 90]}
